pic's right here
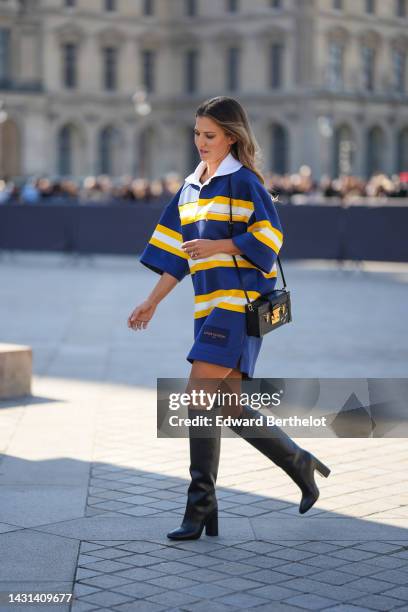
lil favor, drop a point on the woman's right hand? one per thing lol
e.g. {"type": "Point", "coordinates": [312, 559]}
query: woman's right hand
{"type": "Point", "coordinates": [141, 315]}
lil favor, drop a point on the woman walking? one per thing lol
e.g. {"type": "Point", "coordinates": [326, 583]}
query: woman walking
{"type": "Point", "coordinates": [193, 237]}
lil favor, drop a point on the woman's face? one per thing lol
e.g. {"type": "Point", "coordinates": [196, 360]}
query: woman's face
{"type": "Point", "coordinates": [212, 142]}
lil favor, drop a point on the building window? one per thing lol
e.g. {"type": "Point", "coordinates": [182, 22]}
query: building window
{"type": "Point", "coordinates": [191, 68]}
{"type": "Point", "coordinates": [148, 70]}
{"type": "Point", "coordinates": [276, 4]}
{"type": "Point", "coordinates": [110, 6]}
{"type": "Point", "coordinates": [233, 61]}
{"type": "Point", "coordinates": [232, 6]}
{"type": "Point", "coordinates": [338, 5]}
{"type": "Point", "coordinates": [65, 151]}
{"type": "Point", "coordinates": [109, 151]}
{"type": "Point", "coordinates": [191, 8]}
{"type": "Point", "coordinates": [110, 68]}
{"type": "Point", "coordinates": [375, 151]}
{"type": "Point", "coordinates": [279, 149]}
{"type": "Point", "coordinates": [70, 52]}
{"type": "Point", "coordinates": [369, 68]}
{"type": "Point", "coordinates": [4, 54]}
{"type": "Point", "coordinates": [343, 154]}
{"type": "Point", "coordinates": [148, 8]}
{"type": "Point", "coordinates": [401, 8]}
{"type": "Point", "coordinates": [276, 65]}
{"type": "Point", "coordinates": [370, 7]}
{"type": "Point", "coordinates": [399, 64]}
{"type": "Point", "coordinates": [69, 3]}
{"type": "Point", "coordinates": [336, 65]}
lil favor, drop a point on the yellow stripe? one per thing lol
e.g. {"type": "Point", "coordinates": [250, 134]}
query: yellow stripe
{"type": "Point", "coordinates": [214, 216]}
{"type": "Point", "coordinates": [167, 247]}
{"type": "Point", "coordinates": [203, 313]}
{"type": "Point", "coordinates": [185, 207]}
{"type": "Point", "coordinates": [186, 220]}
{"type": "Point", "coordinates": [192, 214]}
{"type": "Point", "coordinates": [270, 274]}
{"type": "Point", "coordinates": [169, 232]}
{"type": "Point", "coordinates": [259, 236]}
{"type": "Point", "coordinates": [205, 297]}
{"type": "Point", "coordinates": [225, 200]}
{"type": "Point", "coordinates": [181, 204]}
{"type": "Point", "coordinates": [234, 307]}
{"type": "Point", "coordinates": [261, 224]}
{"type": "Point", "coordinates": [225, 306]}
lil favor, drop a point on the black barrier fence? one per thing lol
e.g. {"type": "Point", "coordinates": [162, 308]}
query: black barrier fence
{"type": "Point", "coordinates": [311, 231]}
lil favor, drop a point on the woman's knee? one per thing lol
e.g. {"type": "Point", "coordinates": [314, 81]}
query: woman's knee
{"type": "Point", "coordinates": [206, 377]}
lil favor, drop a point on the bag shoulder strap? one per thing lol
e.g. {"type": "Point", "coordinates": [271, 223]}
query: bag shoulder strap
{"type": "Point", "coordinates": [230, 224]}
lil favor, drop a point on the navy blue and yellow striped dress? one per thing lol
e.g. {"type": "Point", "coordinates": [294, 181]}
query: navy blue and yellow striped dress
{"type": "Point", "coordinates": [202, 211]}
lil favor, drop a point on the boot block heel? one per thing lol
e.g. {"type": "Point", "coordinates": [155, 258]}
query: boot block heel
{"type": "Point", "coordinates": [211, 525]}
{"type": "Point", "coordinates": [321, 468]}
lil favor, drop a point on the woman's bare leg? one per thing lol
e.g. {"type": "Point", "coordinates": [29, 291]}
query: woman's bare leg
{"type": "Point", "coordinates": [207, 377]}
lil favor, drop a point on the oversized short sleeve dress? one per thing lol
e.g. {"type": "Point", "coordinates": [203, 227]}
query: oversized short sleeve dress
{"type": "Point", "coordinates": [202, 211]}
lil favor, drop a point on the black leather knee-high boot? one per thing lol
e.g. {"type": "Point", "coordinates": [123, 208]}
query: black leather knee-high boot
{"type": "Point", "coordinates": [201, 509]}
{"type": "Point", "coordinates": [275, 444]}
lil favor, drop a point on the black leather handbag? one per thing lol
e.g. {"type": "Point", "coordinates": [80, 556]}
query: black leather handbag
{"type": "Point", "coordinates": [270, 310]}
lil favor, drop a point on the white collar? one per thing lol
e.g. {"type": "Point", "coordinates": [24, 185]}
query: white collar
{"type": "Point", "coordinates": [228, 165]}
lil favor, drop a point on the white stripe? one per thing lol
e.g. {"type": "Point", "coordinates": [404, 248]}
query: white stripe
{"type": "Point", "coordinates": [188, 195]}
{"type": "Point", "coordinates": [217, 257]}
{"type": "Point", "coordinates": [231, 299]}
{"type": "Point", "coordinates": [270, 235]}
{"type": "Point", "coordinates": [167, 239]}
{"type": "Point", "coordinates": [218, 207]}
{"type": "Point", "coordinates": [224, 257]}
{"type": "Point", "coordinates": [213, 207]}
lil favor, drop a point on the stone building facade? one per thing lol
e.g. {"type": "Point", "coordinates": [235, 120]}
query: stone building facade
{"type": "Point", "coordinates": [325, 83]}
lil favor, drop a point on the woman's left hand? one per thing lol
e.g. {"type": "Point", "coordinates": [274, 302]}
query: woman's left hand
{"type": "Point", "coordinates": [199, 248]}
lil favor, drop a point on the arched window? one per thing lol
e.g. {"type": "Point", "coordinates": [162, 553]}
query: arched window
{"type": "Point", "coordinates": [402, 150]}
{"type": "Point", "coordinates": [375, 151]}
{"type": "Point", "coordinates": [108, 151]}
{"type": "Point", "coordinates": [279, 149]}
{"type": "Point", "coordinates": [65, 150]}
{"type": "Point", "coordinates": [343, 154]}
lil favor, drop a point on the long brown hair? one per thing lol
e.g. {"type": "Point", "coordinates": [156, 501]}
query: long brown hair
{"type": "Point", "coordinates": [232, 118]}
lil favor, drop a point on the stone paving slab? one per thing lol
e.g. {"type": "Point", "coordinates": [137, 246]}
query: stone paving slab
{"type": "Point", "coordinates": [327, 529]}
{"type": "Point", "coordinates": [29, 555]}
{"type": "Point", "coordinates": [46, 503]}
{"type": "Point", "coordinates": [126, 527]}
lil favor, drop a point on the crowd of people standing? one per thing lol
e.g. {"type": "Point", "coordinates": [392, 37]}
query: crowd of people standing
{"type": "Point", "coordinates": [297, 188]}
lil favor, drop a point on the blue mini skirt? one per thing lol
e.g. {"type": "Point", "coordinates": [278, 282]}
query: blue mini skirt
{"type": "Point", "coordinates": [221, 338]}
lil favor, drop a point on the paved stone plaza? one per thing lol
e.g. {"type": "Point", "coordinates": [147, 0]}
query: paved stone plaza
{"type": "Point", "coordinates": [88, 491]}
